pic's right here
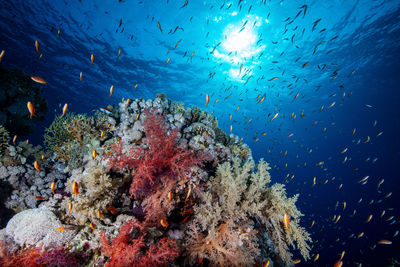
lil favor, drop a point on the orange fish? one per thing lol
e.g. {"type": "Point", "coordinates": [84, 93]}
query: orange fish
{"type": "Point", "coordinates": [305, 64]}
{"type": "Point", "coordinates": [273, 79]}
{"type": "Point", "coordinates": [101, 135]}
{"type": "Point", "coordinates": [75, 188]}
{"type": "Point", "coordinates": [169, 196]}
{"type": "Point", "coordinates": [290, 135]}
{"type": "Point", "coordinates": [112, 210]}
{"type": "Point", "coordinates": [159, 26]}
{"type": "Point", "coordinates": [94, 153]}
{"type": "Point", "coordinates": [111, 90]}
{"type": "Point", "coordinates": [274, 117]}
{"type": "Point", "coordinates": [261, 100]}
{"type": "Point", "coordinates": [267, 263]}
{"type": "Point", "coordinates": [296, 261]}
{"type": "Point", "coordinates": [119, 53]}
{"type": "Point", "coordinates": [168, 60]}
{"type": "Point", "coordinates": [338, 264]}
{"type": "Point", "coordinates": [69, 208]}
{"type": "Point", "coordinates": [64, 110]}
{"type": "Point", "coordinates": [369, 218]}
{"type": "Point", "coordinates": [37, 45]}
{"type": "Point", "coordinates": [177, 43]}
{"type": "Point", "coordinates": [80, 76]}
{"type": "Point", "coordinates": [192, 56]}
{"type": "Point", "coordinates": [230, 128]}
{"type": "Point", "coordinates": [91, 58]}
{"type": "Point", "coordinates": [37, 166]}
{"type": "Point", "coordinates": [286, 221]}
{"type": "Point", "coordinates": [384, 242]}
{"type": "Point", "coordinates": [39, 198]}
{"type": "Point", "coordinates": [185, 4]}
{"type": "Point", "coordinates": [296, 96]}
{"type": "Point", "coordinates": [31, 109]}
{"type": "Point", "coordinates": [164, 223]}
{"type": "Point", "coordinates": [207, 99]}
{"type": "Point", "coordinates": [188, 194]}
{"type": "Point", "coordinates": [15, 138]}
{"type": "Point", "coordinates": [38, 80]}
{"type": "Point", "coordinates": [53, 186]}
{"type": "Point", "coordinates": [92, 225]}
{"type": "Point", "coordinates": [316, 257]}
{"type": "Point", "coordinates": [100, 214]}
{"type": "Point", "coordinates": [61, 229]}
{"type": "Point", "coordinates": [128, 101]}
{"type": "Point", "coordinates": [2, 54]}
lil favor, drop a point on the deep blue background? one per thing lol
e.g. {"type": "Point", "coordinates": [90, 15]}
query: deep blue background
{"type": "Point", "coordinates": [367, 43]}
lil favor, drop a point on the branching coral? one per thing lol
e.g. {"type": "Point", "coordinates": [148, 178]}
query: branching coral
{"type": "Point", "coordinates": [129, 247]}
{"type": "Point", "coordinates": [234, 197]}
{"type": "Point", "coordinates": [71, 136]}
{"type": "Point", "coordinates": [96, 191]}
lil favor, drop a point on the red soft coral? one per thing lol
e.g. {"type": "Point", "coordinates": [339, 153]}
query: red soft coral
{"type": "Point", "coordinates": [163, 157]}
{"type": "Point", "coordinates": [24, 257]}
{"type": "Point", "coordinates": [36, 257]}
{"type": "Point", "coordinates": [129, 248]}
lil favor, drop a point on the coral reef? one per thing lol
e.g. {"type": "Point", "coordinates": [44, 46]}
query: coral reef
{"type": "Point", "coordinates": [148, 183]}
{"type": "Point", "coordinates": [16, 90]}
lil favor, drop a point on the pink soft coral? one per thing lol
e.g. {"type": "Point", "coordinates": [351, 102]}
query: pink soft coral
{"type": "Point", "coordinates": [163, 157]}
{"type": "Point", "coordinates": [129, 248]}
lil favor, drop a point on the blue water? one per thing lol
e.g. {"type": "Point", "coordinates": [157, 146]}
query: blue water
{"type": "Point", "coordinates": [363, 61]}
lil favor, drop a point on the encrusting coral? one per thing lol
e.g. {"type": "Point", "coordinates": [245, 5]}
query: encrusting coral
{"type": "Point", "coordinates": [150, 184]}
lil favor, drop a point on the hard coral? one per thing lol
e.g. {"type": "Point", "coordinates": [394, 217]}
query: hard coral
{"type": "Point", "coordinates": [129, 247]}
{"type": "Point", "coordinates": [163, 159]}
